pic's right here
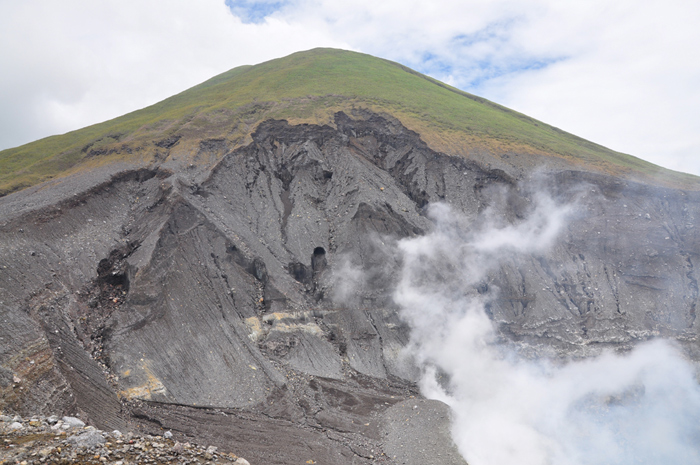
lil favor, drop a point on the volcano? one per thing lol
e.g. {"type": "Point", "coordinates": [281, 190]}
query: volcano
{"type": "Point", "coordinates": [222, 264]}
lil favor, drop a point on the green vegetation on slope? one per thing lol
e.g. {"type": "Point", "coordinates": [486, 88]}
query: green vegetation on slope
{"type": "Point", "coordinates": [309, 87]}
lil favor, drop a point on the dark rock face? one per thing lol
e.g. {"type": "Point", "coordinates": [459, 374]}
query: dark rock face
{"type": "Point", "coordinates": [254, 308]}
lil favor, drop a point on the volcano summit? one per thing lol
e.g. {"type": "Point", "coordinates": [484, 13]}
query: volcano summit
{"type": "Point", "coordinates": [228, 264]}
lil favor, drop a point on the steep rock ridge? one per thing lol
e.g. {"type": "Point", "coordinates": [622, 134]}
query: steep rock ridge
{"type": "Point", "coordinates": [623, 272]}
{"type": "Point", "coordinates": [257, 298]}
{"type": "Point", "coordinates": [50, 258]}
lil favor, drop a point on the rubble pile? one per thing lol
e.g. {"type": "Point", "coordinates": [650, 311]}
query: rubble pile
{"type": "Point", "coordinates": [53, 440]}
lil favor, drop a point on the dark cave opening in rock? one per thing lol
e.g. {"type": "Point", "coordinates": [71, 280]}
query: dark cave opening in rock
{"type": "Point", "coordinates": [116, 279]}
{"type": "Point", "coordinates": [318, 260]}
{"type": "Point", "coordinates": [300, 272]}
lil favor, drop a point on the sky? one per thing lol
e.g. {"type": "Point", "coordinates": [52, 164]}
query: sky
{"type": "Point", "coordinates": [624, 74]}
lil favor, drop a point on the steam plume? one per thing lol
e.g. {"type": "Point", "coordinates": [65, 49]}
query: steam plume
{"type": "Point", "coordinates": [638, 408]}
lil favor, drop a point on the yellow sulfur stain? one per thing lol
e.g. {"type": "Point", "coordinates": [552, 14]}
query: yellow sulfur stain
{"type": "Point", "coordinates": [289, 322]}
{"type": "Point", "coordinates": [255, 328]}
{"type": "Point", "coordinates": [147, 390]}
{"type": "Point", "coordinates": [311, 328]}
{"type": "Point", "coordinates": [281, 322]}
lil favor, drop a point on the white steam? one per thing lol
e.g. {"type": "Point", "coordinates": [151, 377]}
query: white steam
{"type": "Point", "coordinates": [642, 408]}
{"type": "Point", "coordinates": [346, 281]}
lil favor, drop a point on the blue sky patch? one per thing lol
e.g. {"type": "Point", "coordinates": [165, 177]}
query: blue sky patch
{"type": "Point", "coordinates": [436, 64]}
{"type": "Point", "coordinates": [251, 11]}
{"type": "Point", "coordinates": [470, 61]}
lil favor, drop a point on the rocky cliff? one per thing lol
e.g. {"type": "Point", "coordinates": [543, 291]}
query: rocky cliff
{"type": "Point", "coordinates": [248, 303]}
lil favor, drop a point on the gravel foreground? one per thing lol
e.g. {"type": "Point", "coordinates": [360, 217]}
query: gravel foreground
{"type": "Point", "coordinates": [54, 440]}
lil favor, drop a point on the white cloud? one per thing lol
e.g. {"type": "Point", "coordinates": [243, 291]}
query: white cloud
{"type": "Point", "coordinates": [629, 82]}
{"type": "Point", "coordinates": [73, 63]}
{"type": "Point", "coordinates": [623, 74]}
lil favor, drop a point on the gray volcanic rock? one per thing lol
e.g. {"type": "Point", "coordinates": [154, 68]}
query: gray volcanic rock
{"type": "Point", "coordinates": [252, 305]}
{"type": "Point", "coordinates": [91, 438]}
{"type": "Point", "coordinates": [418, 432]}
{"type": "Point", "coordinates": [36, 442]}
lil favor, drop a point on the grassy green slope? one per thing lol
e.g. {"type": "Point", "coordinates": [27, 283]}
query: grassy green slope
{"type": "Point", "coordinates": [309, 87]}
